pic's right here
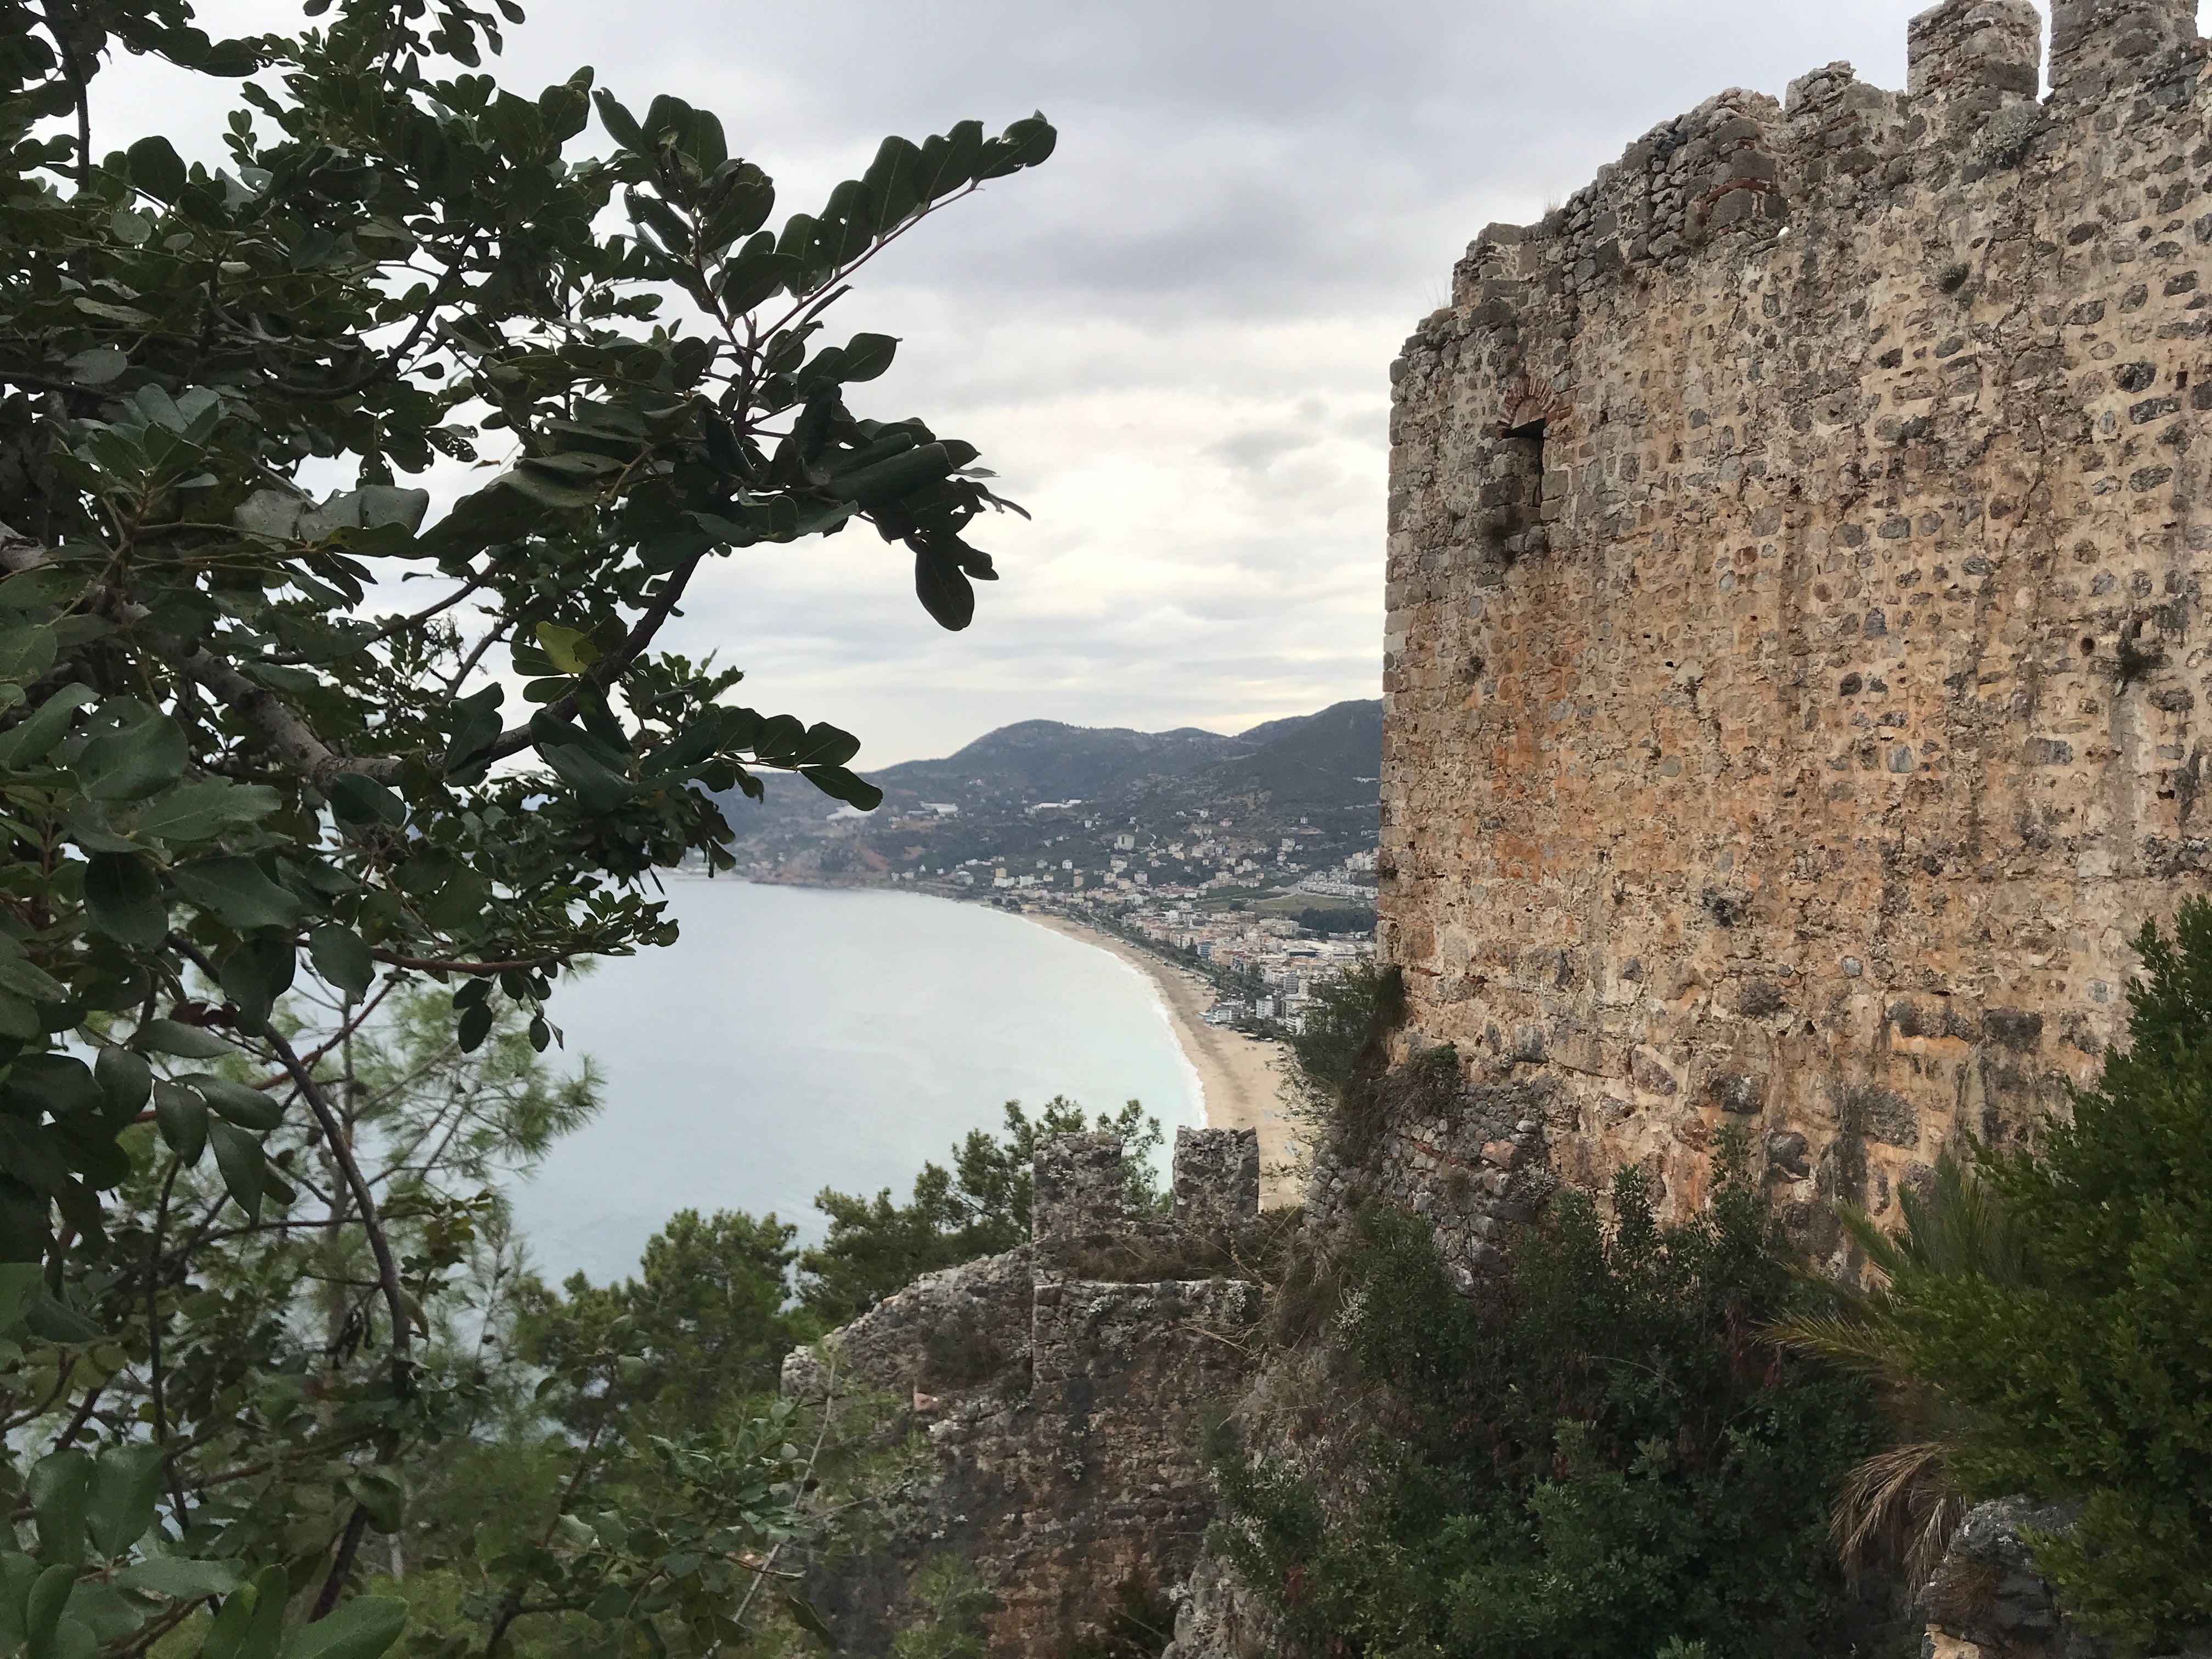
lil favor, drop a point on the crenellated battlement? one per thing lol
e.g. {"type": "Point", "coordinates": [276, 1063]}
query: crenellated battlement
{"type": "Point", "coordinates": [1741, 164]}
{"type": "Point", "coordinates": [1063, 1384]}
{"type": "Point", "coordinates": [1078, 1180]}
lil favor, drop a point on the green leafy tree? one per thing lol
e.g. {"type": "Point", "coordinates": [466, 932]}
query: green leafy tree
{"type": "Point", "coordinates": [978, 1207]}
{"type": "Point", "coordinates": [232, 767]}
{"type": "Point", "coordinates": [1597, 1456]}
{"type": "Point", "coordinates": [243, 1378]}
{"type": "Point", "coordinates": [701, 1329]}
{"type": "Point", "coordinates": [2055, 1316]}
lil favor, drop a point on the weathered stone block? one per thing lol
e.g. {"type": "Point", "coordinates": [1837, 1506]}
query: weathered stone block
{"type": "Point", "coordinates": [1216, 1177]}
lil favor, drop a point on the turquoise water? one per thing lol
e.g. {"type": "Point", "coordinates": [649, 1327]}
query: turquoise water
{"type": "Point", "coordinates": [796, 1038]}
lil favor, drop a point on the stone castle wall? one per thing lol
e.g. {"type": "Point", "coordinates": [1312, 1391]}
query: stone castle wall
{"type": "Point", "coordinates": [1062, 1406]}
{"type": "Point", "coordinates": [1797, 545]}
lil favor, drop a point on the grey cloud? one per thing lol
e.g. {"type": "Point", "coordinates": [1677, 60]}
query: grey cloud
{"type": "Point", "coordinates": [1171, 339]}
{"type": "Point", "coordinates": [1257, 451]}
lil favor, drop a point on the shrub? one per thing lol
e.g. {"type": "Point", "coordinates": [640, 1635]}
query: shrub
{"type": "Point", "coordinates": [2086, 1371]}
{"type": "Point", "coordinates": [950, 1600]}
{"type": "Point", "coordinates": [1597, 1455]}
{"type": "Point", "coordinates": [1343, 1053]}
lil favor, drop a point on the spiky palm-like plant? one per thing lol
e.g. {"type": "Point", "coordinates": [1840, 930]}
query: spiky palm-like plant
{"type": "Point", "coordinates": [1903, 1502]}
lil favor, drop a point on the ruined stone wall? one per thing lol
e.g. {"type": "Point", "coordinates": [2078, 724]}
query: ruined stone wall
{"type": "Point", "coordinates": [1061, 1406]}
{"type": "Point", "coordinates": [1797, 545]}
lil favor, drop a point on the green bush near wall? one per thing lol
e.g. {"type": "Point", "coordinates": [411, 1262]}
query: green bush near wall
{"type": "Point", "coordinates": [1598, 1456]}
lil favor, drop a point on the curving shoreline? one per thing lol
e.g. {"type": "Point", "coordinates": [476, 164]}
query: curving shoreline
{"type": "Point", "coordinates": [1241, 1081]}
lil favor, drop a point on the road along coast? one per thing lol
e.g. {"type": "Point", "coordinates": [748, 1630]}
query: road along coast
{"type": "Point", "coordinates": [1242, 1080]}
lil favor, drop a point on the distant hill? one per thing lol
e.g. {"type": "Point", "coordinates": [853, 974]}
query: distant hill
{"type": "Point", "coordinates": [1044, 759]}
{"type": "Point", "coordinates": [1312, 778]}
{"type": "Point", "coordinates": [1331, 759]}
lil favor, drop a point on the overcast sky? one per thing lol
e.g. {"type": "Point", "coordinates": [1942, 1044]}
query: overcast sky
{"type": "Point", "coordinates": [1171, 340]}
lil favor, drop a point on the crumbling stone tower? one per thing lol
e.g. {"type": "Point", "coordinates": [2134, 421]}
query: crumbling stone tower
{"type": "Point", "coordinates": [1797, 546]}
{"type": "Point", "coordinates": [1061, 1385]}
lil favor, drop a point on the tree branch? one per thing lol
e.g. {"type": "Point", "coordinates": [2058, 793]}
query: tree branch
{"type": "Point", "coordinates": [80, 89]}
{"type": "Point", "coordinates": [387, 1268]}
{"type": "Point", "coordinates": [609, 668]}
{"type": "Point", "coordinates": [290, 735]}
{"type": "Point", "coordinates": [437, 965]}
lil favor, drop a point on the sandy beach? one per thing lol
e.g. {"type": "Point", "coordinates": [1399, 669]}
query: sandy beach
{"type": "Point", "coordinates": [1240, 1077]}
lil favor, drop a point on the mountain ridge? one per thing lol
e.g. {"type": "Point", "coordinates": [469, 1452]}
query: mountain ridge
{"type": "Point", "coordinates": [1085, 794]}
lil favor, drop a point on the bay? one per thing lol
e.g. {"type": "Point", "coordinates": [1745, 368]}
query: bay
{"type": "Point", "coordinates": [795, 1038]}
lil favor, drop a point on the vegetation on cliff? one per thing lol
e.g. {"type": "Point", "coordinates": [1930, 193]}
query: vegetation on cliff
{"type": "Point", "coordinates": [1595, 1455]}
{"type": "Point", "coordinates": [978, 1207]}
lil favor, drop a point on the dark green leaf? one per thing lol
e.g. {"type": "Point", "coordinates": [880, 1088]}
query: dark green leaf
{"type": "Point", "coordinates": [359, 800]}
{"type": "Point", "coordinates": [42, 1607]}
{"type": "Point", "coordinates": [752, 278]}
{"type": "Point", "coordinates": [476, 723]}
{"type": "Point", "coordinates": [598, 788]}
{"type": "Point", "coordinates": [621, 126]}
{"type": "Point", "coordinates": [156, 168]}
{"type": "Point", "coordinates": [124, 1080]}
{"type": "Point", "coordinates": [24, 653]}
{"type": "Point", "coordinates": [181, 1115]}
{"type": "Point", "coordinates": [60, 1083]}
{"type": "Point", "coordinates": [1025, 144]}
{"type": "Point", "coordinates": [247, 1107]}
{"type": "Point", "coordinates": [34, 740]}
{"type": "Point", "coordinates": [942, 591]}
{"type": "Point", "coordinates": [180, 1578]}
{"type": "Point", "coordinates": [59, 1486]}
{"type": "Point", "coordinates": [169, 1036]}
{"type": "Point", "coordinates": [362, 1629]}
{"type": "Point", "coordinates": [866, 356]}
{"type": "Point", "coordinates": [802, 1614]}
{"type": "Point", "coordinates": [341, 958]}
{"type": "Point", "coordinates": [205, 807]}
{"type": "Point", "coordinates": [257, 972]}
{"type": "Point", "coordinates": [20, 974]}
{"type": "Point", "coordinates": [825, 745]}
{"type": "Point", "coordinates": [902, 475]}
{"type": "Point", "coordinates": [126, 1483]}
{"type": "Point", "coordinates": [949, 163]}
{"type": "Point", "coordinates": [29, 1153]}
{"type": "Point", "coordinates": [134, 762]}
{"type": "Point", "coordinates": [21, 1282]}
{"type": "Point", "coordinates": [123, 897]}
{"type": "Point", "coordinates": [264, 1631]}
{"type": "Point", "coordinates": [841, 785]}
{"type": "Point", "coordinates": [57, 1321]}
{"type": "Point", "coordinates": [475, 1024]}
{"type": "Point", "coordinates": [237, 1156]}
{"type": "Point", "coordinates": [18, 1019]}
{"type": "Point", "coordinates": [236, 889]}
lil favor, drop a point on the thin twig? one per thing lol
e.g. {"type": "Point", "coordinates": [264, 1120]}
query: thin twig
{"type": "Point", "coordinates": [609, 668]}
{"type": "Point", "coordinates": [821, 1435]}
{"type": "Point", "coordinates": [154, 1341]}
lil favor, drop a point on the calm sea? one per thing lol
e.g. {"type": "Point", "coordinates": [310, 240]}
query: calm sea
{"type": "Point", "coordinates": [796, 1038]}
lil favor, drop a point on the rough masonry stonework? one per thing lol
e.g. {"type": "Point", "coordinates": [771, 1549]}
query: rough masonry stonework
{"type": "Point", "coordinates": [1796, 653]}
{"type": "Point", "coordinates": [1061, 1387]}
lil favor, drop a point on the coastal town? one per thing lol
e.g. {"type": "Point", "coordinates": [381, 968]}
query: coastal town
{"type": "Point", "coordinates": [1248, 862]}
